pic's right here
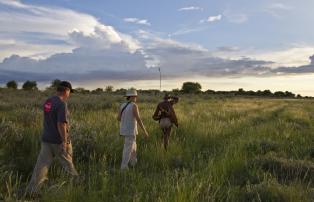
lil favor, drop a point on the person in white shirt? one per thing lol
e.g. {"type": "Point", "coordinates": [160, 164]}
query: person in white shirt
{"type": "Point", "coordinates": [129, 117]}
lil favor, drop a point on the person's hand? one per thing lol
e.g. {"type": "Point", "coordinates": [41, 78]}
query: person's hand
{"type": "Point", "coordinates": [64, 147]}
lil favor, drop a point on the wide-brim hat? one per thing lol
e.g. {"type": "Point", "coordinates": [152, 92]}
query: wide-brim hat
{"type": "Point", "coordinates": [131, 93]}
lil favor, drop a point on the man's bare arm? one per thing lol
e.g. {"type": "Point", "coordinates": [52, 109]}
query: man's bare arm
{"type": "Point", "coordinates": [139, 120]}
{"type": "Point", "coordinates": [62, 128]}
{"type": "Point", "coordinates": [119, 116]}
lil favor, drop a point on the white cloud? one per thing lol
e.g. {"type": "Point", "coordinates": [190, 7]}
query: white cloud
{"type": "Point", "coordinates": [186, 31]}
{"type": "Point", "coordinates": [190, 8]}
{"type": "Point", "coordinates": [292, 55]}
{"type": "Point", "coordinates": [104, 37]}
{"type": "Point", "coordinates": [152, 40]}
{"type": "Point", "coordinates": [36, 51]}
{"type": "Point", "coordinates": [235, 17]}
{"type": "Point", "coordinates": [21, 17]}
{"type": "Point", "coordinates": [96, 51]}
{"type": "Point", "coordinates": [106, 57]}
{"type": "Point", "coordinates": [280, 6]}
{"type": "Point", "coordinates": [296, 56]}
{"type": "Point", "coordinates": [30, 26]}
{"type": "Point", "coordinates": [137, 21]}
{"type": "Point", "coordinates": [214, 18]}
{"type": "Point", "coordinates": [15, 3]}
{"type": "Point", "coordinates": [278, 10]}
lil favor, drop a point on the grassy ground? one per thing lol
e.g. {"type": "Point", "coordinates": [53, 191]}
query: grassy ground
{"type": "Point", "coordinates": [225, 149]}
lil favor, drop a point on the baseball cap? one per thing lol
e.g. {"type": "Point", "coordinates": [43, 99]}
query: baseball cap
{"type": "Point", "coordinates": [67, 85]}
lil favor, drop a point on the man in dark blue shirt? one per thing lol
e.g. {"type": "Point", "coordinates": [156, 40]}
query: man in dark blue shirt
{"type": "Point", "coordinates": [55, 138]}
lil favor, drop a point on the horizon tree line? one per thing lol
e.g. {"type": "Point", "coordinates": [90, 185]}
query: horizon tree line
{"type": "Point", "coordinates": [187, 88]}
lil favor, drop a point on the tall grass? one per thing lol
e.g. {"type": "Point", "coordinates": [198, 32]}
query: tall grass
{"type": "Point", "coordinates": [225, 149]}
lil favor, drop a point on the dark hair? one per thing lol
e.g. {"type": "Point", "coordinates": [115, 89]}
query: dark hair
{"type": "Point", "coordinates": [63, 86]}
{"type": "Point", "coordinates": [128, 97]}
{"type": "Point", "coordinates": [61, 89]}
{"type": "Point", "coordinates": [167, 96]}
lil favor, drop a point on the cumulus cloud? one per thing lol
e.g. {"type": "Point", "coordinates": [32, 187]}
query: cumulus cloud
{"type": "Point", "coordinates": [227, 67]}
{"type": "Point", "coordinates": [28, 26]}
{"type": "Point", "coordinates": [29, 18]}
{"type": "Point", "coordinates": [298, 55]}
{"type": "Point", "coordinates": [137, 21]}
{"type": "Point", "coordinates": [117, 63]}
{"type": "Point", "coordinates": [190, 8]}
{"type": "Point", "coordinates": [297, 70]}
{"type": "Point", "coordinates": [104, 37]}
{"type": "Point", "coordinates": [101, 52]}
{"type": "Point", "coordinates": [175, 62]}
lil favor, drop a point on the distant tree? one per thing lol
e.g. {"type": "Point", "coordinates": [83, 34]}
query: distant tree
{"type": "Point", "coordinates": [289, 94]}
{"type": "Point", "coordinates": [12, 84]}
{"type": "Point", "coordinates": [250, 92]}
{"type": "Point", "coordinates": [259, 93]}
{"type": "Point", "coordinates": [149, 92]}
{"type": "Point", "coordinates": [98, 90]}
{"type": "Point", "coordinates": [210, 91]}
{"type": "Point", "coordinates": [120, 91]}
{"type": "Point", "coordinates": [81, 90]}
{"type": "Point", "coordinates": [30, 85]}
{"type": "Point", "coordinates": [109, 89]}
{"type": "Point", "coordinates": [299, 96]}
{"type": "Point", "coordinates": [177, 90]}
{"type": "Point", "coordinates": [279, 94]}
{"type": "Point", "coordinates": [267, 93]}
{"type": "Point", "coordinates": [241, 91]}
{"type": "Point", "coordinates": [55, 83]}
{"type": "Point", "coordinates": [191, 87]}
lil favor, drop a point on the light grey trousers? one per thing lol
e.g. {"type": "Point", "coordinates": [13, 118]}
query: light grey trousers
{"type": "Point", "coordinates": [129, 152]}
{"type": "Point", "coordinates": [44, 160]}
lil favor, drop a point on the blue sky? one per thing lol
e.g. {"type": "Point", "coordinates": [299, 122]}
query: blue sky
{"type": "Point", "coordinates": [222, 44]}
{"type": "Point", "coordinates": [265, 24]}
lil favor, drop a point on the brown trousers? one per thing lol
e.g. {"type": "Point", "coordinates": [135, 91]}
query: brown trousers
{"type": "Point", "coordinates": [45, 157]}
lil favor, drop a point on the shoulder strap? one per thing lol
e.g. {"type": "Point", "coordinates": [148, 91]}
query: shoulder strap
{"type": "Point", "coordinates": [124, 108]}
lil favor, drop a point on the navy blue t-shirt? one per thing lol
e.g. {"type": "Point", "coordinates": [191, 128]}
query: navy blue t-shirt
{"type": "Point", "coordinates": [55, 111]}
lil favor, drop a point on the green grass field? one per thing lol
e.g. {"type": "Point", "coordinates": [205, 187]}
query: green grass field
{"type": "Point", "coordinates": [225, 149]}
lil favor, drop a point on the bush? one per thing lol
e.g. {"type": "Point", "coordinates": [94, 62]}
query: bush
{"type": "Point", "coordinates": [12, 84]}
{"type": "Point", "coordinates": [30, 85]}
{"type": "Point", "coordinates": [190, 87]}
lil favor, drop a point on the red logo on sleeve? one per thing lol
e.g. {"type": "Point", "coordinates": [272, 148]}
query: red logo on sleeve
{"type": "Point", "coordinates": [48, 106]}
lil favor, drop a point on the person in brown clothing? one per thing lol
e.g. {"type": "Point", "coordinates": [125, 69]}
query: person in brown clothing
{"type": "Point", "coordinates": [166, 116]}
